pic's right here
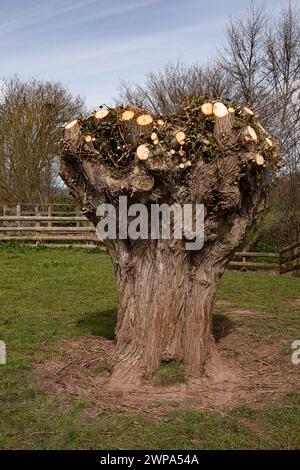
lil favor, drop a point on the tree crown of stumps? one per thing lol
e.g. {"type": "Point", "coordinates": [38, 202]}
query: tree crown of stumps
{"type": "Point", "coordinates": [208, 152]}
{"type": "Point", "coordinates": [123, 138]}
{"type": "Point", "coordinates": [142, 152]}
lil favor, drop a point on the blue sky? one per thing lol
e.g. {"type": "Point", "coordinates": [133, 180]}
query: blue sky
{"type": "Point", "coordinates": [90, 45]}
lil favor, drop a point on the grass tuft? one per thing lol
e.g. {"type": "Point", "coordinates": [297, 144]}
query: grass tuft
{"type": "Point", "coordinates": [170, 373]}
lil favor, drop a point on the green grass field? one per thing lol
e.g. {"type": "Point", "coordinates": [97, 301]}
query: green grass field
{"type": "Point", "coordinates": [47, 295]}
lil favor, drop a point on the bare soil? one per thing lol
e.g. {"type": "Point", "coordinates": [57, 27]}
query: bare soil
{"type": "Point", "coordinates": [254, 372]}
{"type": "Point", "coordinates": [294, 303]}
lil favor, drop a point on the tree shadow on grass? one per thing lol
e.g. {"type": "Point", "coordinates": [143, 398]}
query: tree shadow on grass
{"type": "Point", "coordinates": [221, 326]}
{"type": "Point", "coordinates": [103, 323]}
{"type": "Point", "coordinates": [99, 323]}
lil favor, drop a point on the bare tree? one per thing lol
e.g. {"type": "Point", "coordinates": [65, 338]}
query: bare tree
{"type": "Point", "coordinates": [166, 90]}
{"type": "Point", "coordinates": [243, 57]}
{"type": "Point", "coordinates": [263, 59]}
{"type": "Point", "coordinates": [31, 117]}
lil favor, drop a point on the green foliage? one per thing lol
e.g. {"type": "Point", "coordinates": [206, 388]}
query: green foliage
{"type": "Point", "coordinates": [116, 140]}
{"type": "Point", "coordinates": [267, 245]}
{"type": "Point", "coordinates": [61, 198]}
{"type": "Point", "coordinates": [170, 373]}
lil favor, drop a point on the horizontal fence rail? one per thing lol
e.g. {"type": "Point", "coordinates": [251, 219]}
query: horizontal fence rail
{"type": "Point", "coordinates": [63, 225]}
{"type": "Point", "coordinates": [29, 218]}
{"type": "Point", "coordinates": [42, 209]}
{"type": "Point", "coordinates": [258, 260]}
{"type": "Point", "coordinates": [47, 224]}
{"type": "Point", "coordinates": [290, 259]}
{"type": "Point", "coordinates": [47, 229]}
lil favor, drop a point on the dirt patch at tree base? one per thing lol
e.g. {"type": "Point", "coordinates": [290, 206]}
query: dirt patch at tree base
{"type": "Point", "coordinates": [293, 303]}
{"type": "Point", "coordinates": [259, 372]}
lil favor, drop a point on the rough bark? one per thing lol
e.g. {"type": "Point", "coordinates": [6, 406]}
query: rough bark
{"type": "Point", "coordinates": [166, 293]}
{"type": "Point", "coordinates": [164, 312]}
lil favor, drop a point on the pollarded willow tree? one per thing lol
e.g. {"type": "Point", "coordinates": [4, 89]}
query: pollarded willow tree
{"type": "Point", "coordinates": [208, 152]}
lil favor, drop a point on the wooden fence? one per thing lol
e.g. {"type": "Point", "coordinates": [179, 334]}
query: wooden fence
{"type": "Point", "coordinates": [48, 210]}
{"type": "Point", "coordinates": [46, 223]}
{"type": "Point", "coordinates": [290, 259]}
{"type": "Point", "coordinates": [63, 225]}
{"type": "Point", "coordinates": [254, 260]}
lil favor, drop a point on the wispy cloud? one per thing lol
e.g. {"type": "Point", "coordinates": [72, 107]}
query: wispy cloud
{"type": "Point", "coordinates": [43, 12]}
{"type": "Point", "coordinates": [38, 13]}
{"type": "Point", "coordinates": [90, 44]}
{"type": "Point", "coordinates": [81, 52]}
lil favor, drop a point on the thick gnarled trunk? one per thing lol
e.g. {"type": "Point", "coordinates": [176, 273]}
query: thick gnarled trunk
{"type": "Point", "coordinates": [164, 313]}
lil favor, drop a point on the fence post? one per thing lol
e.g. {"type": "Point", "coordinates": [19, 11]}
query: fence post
{"type": "Point", "coordinates": [37, 213]}
{"type": "Point", "coordinates": [297, 267]}
{"type": "Point", "coordinates": [18, 214]}
{"type": "Point", "coordinates": [77, 214]}
{"type": "Point", "coordinates": [280, 262]}
{"type": "Point", "coordinates": [49, 214]}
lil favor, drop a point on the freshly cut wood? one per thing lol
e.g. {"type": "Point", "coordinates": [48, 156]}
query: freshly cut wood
{"type": "Point", "coordinates": [187, 164]}
{"type": "Point", "coordinates": [153, 136]}
{"type": "Point", "coordinates": [156, 141]}
{"type": "Point", "coordinates": [160, 122]}
{"type": "Point", "coordinates": [157, 164]}
{"type": "Point", "coordinates": [223, 119]}
{"type": "Point", "coordinates": [231, 110]}
{"type": "Point", "coordinates": [220, 110]}
{"type": "Point", "coordinates": [207, 109]}
{"type": "Point", "coordinates": [172, 152]}
{"type": "Point", "coordinates": [71, 124]}
{"type": "Point", "coordinates": [88, 139]}
{"type": "Point", "coordinates": [269, 142]}
{"type": "Point", "coordinates": [259, 159]}
{"type": "Point", "coordinates": [73, 135]}
{"type": "Point", "coordinates": [261, 128]}
{"type": "Point", "coordinates": [142, 152]}
{"type": "Point", "coordinates": [180, 137]}
{"type": "Point", "coordinates": [223, 125]}
{"type": "Point", "coordinates": [142, 183]}
{"type": "Point", "coordinates": [101, 114]}
{"type": "Point", "coordinates": [249, 134]}
{"type": "Point", "coordinates": [181, 153]}
{"type": "Point", "coordinates": [248, 111]}
{"type": "Point", "coordinates": [127, 115]}
{"type": "Point", "coordinates": [144, 119]}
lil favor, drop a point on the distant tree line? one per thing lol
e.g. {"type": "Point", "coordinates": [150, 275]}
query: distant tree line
{"type": "Point", "coordinates": [32, 114]}
{"type": "Point", "coordinates": [258, 66]}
